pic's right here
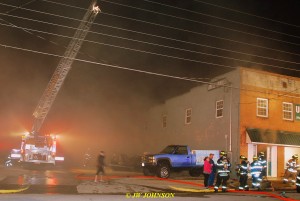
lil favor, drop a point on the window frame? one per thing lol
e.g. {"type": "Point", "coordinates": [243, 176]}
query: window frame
{"type": "Point", "coordinates": [285, 111]}
{"type": "Point", "coordinates": [260, 107]}
{"type": "Point", "coordinates": [219, 109]}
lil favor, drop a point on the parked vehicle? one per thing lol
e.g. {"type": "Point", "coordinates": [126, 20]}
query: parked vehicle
{"type": "Point", "coordinates": [175, 157]}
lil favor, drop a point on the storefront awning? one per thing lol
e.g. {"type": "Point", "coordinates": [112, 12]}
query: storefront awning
{"type": "Point", "coordinates": [278, 137]}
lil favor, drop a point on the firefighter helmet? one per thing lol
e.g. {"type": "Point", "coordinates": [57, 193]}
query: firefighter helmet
{"type": "Point", "coordinates": [295, 156]}
{"type": "Point", "coordinates": [242, 157]}
{"type": "Point", "coordinates": [223, 153]}
{"type": "Point", "coordinates": [254, 158]}
{"type": "Point", "coordinates": [261, 153]}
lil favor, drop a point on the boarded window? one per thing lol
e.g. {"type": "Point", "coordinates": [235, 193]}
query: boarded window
{"type": "Point", "coordinates": [219, 108]}
{"type": "Point", "coordinates": [188, 116]}
{"type": "Point", "coordinates": [164, 121]}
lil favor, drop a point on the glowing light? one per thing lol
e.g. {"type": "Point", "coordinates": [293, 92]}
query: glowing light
{"type": "Point", "coordinates": [96, 9]}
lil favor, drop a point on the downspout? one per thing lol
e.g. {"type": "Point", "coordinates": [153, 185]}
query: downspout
{"type": "Point", "coordinates": [230, 119]}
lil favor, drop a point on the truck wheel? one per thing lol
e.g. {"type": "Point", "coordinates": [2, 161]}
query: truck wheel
{"type": "Point", "coordinates": [163, 170]}
{"type": "Point", "coordinates": [146, 171]}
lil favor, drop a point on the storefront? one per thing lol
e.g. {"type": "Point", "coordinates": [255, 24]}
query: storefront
{"type": "Point", "coordinates": [279, 147]}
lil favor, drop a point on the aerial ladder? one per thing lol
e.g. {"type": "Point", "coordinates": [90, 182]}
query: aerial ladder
{"type": "Point", "coordinates": [36, 148]}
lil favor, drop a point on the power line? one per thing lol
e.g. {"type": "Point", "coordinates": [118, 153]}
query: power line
{"type": "Point", "coordinates": [25, 4]}
{"type": "Point", "coordinates": [274, 66]}
{"type": "Point", "coordinates": [193, 32]}
{"type": "Point", "coordinates": [157, 36]}
{"type": "Point", "coordinates": [153, 53]}
{"type": "Point", "coordinates": [220, 18]}
{"type": "Point", "coordinates": [49, 33]}
{"type": "Point", "coordinates": [139, 71]}
{"type": "Point", "coordinates": [173, 48]}
{"type": "Point", "coordinates": [16, 8]}
{"type": "Point", "coordinates": [207, 24]}
{"type": "Point", "coordinates": [221, 38]}
{"type": "Point", "coordinates": [234, 10]}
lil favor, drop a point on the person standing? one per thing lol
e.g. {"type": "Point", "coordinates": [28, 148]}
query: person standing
{"type": "Point", "coordinates": [243, 172]}
{"type": "Point", "coordinates": [255, 170]}
{"type": "Point", "coordinates": [263, 162]}
{"type": "Point", "coordinates": [206, 170]}
{"type": "Point", "coordinates": [291, 170]}
{"type": "Point", "coordinates": [222, 170]}
{"type": "Point", "coordinates": [100, 166]}
{"type": "Point", "coordinates": [211, 178]}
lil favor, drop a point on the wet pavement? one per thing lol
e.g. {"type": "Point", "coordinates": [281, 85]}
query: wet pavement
{"type": "Point", "coordinates": [126, 185]}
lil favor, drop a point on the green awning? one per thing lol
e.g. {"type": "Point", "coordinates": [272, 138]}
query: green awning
{"type": "Point", "coordinates": [278, 137]}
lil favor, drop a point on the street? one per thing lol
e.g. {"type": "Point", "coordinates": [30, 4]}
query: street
{"type": "Point", "coordinates": [78, 184]}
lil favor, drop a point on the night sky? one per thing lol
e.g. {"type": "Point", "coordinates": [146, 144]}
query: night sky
{"type": "Point", "coordinates": [103, 106]}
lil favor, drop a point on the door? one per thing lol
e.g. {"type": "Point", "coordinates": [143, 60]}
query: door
{"type": "Point", "coordinates": [181, 157]}
{"type": "Point", "coordinates": [272, 161]}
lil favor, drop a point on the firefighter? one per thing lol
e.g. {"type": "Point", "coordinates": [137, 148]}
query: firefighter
{"type": "Point", "coordinates": [222, 170]}
{"type": "Point", "coordinates": [243, 173]}
{"type": "Point", "coordinates": [255, 170]}
{"type": "Point", "coordinates": [298, 183]}
{"type": "Point", "coordinates": [291, 170]}
{"type": "Point", "coordinates": [263, 162]}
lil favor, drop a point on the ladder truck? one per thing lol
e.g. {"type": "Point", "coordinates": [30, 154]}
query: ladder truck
{"type": "Point", "coordinates": [41, 149]}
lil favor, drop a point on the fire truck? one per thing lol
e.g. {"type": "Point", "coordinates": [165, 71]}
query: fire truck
{"type": "Point", "coordinates": [38, 149]}
{"type": "Point", "coordinates": [35, 147]}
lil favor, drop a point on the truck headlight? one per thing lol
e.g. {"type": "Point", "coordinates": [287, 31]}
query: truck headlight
{"type": "Point", "coordinates": [152, 159]}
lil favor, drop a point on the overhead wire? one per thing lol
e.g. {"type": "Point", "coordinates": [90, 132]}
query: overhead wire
{"type": "Point", "coordinates": [189, 51]}
{"type": "Point", "coordinates": [246, 13]}
{"type": "Point", "coordinates": [176, 40]}
{"type": "Point", "coordinates": [139, 41]}
{"type": "Point", "coordinates": [221, 18]}
{"type": "Point", "coordinates": [198, 22]}
{"type": "Point", "coordinates": [197, 33]}
{"type": "Point", "coordinates": [170, 27]}
{"type": "Point", "coordinates": [15, 8]}
{"type": "Point", "coordinates": [148, 52]}
{"type": "Point", "coordinates": [25, 4]}
{"type": "Point", "coordinates": [126, 68]}
{"type": "Point", "coordinates": [135, 70]}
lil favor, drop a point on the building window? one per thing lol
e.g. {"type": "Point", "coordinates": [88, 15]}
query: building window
{"type": "Point", "coordinates": [287, 109]}
{"type": "Point", "coordinates": [164, 121]}
{"type": "Point", "coordinates": [262, 107]}
{"type": "Point", "coordinates": [188, 116]}
{"type": "Point", "coordinates": [219, 108]}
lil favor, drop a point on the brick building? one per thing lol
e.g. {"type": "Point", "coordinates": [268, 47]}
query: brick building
{"type": "Point", "coordinates": [244, 111]}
